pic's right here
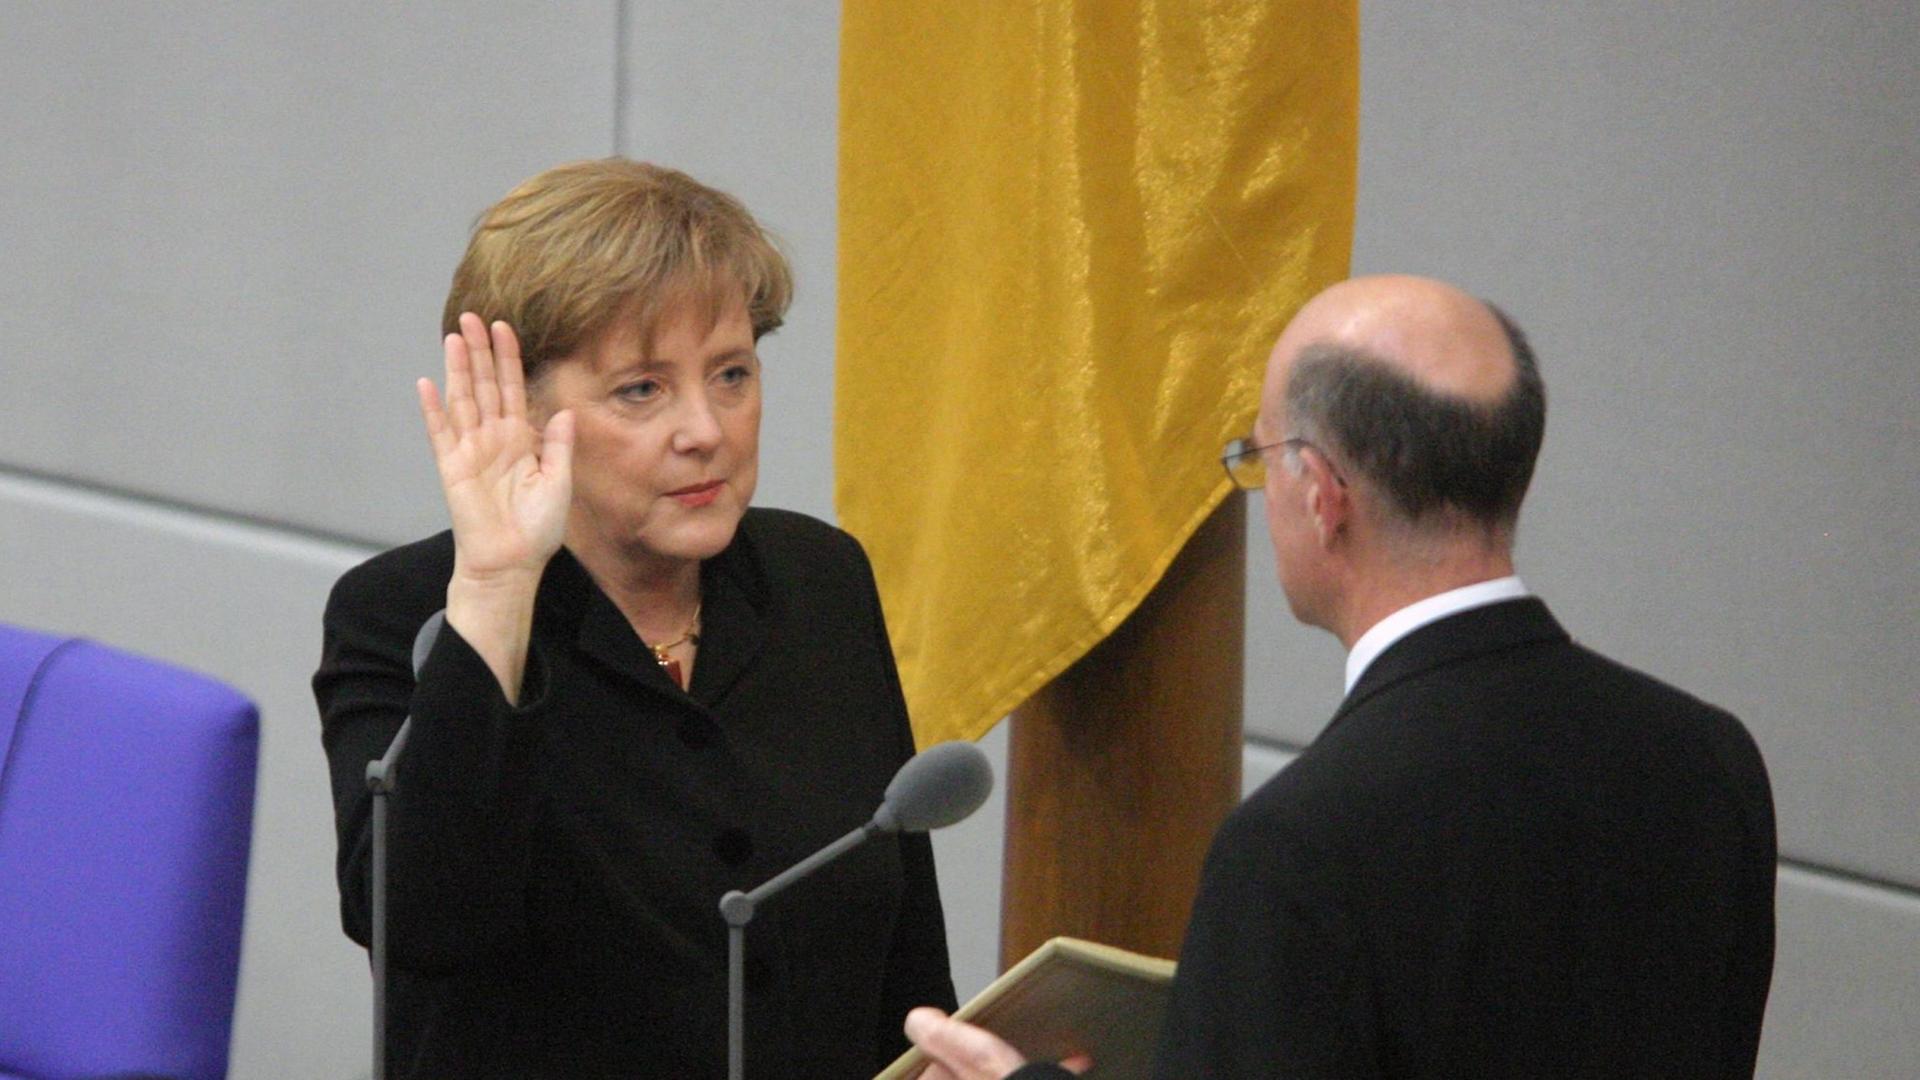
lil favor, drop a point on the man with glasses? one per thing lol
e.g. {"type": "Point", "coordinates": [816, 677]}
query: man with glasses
{"type": "Point", "coordinates": [1506, 855]}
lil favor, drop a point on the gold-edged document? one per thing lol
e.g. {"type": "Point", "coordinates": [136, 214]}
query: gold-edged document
{"type": "Point", "coordinates": [1071, 997]}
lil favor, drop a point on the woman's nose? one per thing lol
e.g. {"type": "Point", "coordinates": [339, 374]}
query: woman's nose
{"type": "Point", "coordinates": [698, 428]}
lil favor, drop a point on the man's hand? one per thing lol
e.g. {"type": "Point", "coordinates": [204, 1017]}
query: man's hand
{"type": "Point", "coordinates": [961, 1051]}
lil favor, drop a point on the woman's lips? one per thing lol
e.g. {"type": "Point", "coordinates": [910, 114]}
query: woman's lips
{"type": "Point", "coordinates": [697, 495]}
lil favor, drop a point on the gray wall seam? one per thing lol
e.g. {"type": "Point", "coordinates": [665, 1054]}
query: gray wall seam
{"type": "Point", "coordinates": [134, 498]}
{"type": "Point", "coordinates": [367, 547]}
{"type": "Point", "coordinates": [621, 20]}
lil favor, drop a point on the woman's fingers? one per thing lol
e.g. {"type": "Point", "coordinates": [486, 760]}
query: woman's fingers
{"type": "Point", "coordinates": [479, 431]}
{"type": "Point", "coordinates": [460, 407]}
{"type": "Point", "coordinates": [513, 384]}
{"type": "Point", "coordinates": [556, 448]}
{"type": "Point", "coordinates": [486, 385]}
{"type": "Point", "coordinates": [436, 417]}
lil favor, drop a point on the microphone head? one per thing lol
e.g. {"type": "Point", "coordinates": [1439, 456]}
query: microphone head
{"type": "Point", "coordinates": [423, 641]}
{"type": "Point", "coordinates": [937, 787]}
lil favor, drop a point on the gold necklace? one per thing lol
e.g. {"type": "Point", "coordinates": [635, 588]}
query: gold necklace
{"type": "Point", "coordinates": [687, 636]}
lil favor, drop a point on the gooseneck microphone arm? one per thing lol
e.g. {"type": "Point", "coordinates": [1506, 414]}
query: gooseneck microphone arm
{"type": "Point", "coordinates": [934, 789]}
{"type": "Point", "coordinates": [380, 782]}
{"type": "Point", "coordinates": [738, 908]}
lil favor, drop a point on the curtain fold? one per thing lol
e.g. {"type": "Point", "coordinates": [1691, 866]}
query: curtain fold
{"type": "Point", "coordinates": [1069, 232]}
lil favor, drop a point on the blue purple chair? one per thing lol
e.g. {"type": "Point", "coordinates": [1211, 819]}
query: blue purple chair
{"type": "Point", "coordinates": [126, 806]}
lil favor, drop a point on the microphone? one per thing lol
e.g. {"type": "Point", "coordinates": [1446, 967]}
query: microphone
{"type": "Point", "coordinates": [380, 783]}
{"type": "Point", "coordinates": [940, 787]}
{"type": "Point", "coordinates": [936, 788]}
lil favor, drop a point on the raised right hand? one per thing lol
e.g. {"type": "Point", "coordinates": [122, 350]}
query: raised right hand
{"type": "Point", "coordinates": [507, 486]}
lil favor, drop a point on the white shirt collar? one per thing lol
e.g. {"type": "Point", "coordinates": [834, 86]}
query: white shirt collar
{"type": "Point", "coordinates": [1420, 613]}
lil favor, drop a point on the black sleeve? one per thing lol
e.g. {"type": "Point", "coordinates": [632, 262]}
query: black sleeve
{"type": "Point", "coordinates": [1273, 981]}
{"type": "Point", "coordinates": [459, 815]}
{"type": "Point", "coordinates": [1749, 975]}
{"type": "Point", "coordinates": [918, 970]}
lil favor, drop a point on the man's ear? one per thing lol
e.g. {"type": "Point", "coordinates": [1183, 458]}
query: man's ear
{"type": "Point", "coordinates": [1329, 500]}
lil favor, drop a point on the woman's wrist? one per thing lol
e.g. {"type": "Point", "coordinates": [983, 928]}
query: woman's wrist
{"type": "Point", "coordinates": [507, 584]}
{"type": "Point", "coordinates": [494, 613]}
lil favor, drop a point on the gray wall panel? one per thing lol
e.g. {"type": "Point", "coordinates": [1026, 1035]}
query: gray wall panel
{"type": "Point", "coordinates": [230, 230]}
{"type": "Point", "coordinates": [744, 95]}
{"type": "Point", "coordinates": [243, 604]}
{"type": "Point", "coordinates": [1846, 982]}
{"type": "Point", "coordinates": [1708, 216]}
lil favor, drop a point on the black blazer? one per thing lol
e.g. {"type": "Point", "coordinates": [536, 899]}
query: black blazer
{"type": "Point", "coordinates": [1506, 856]}
{"type": "Point", "coordinates": [556, 868]}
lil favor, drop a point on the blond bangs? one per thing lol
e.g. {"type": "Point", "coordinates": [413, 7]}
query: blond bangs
{"type": "Point", "coordinates": [571, 250]}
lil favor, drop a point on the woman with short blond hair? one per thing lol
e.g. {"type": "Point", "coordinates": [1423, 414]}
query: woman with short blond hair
{"type": "Point", "coordinates": [648, 693]}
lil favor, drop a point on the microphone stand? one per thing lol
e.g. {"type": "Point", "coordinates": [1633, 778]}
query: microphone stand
{"type": "Point", "coordinates": [738, 909]}
{"type": "Point", "coordinates": [380, 785]}
{"type": "Point", "coordinates": [934, 789]}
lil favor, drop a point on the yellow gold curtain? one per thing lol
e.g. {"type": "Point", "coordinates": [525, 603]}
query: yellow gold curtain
{"type": "Point", "coordinates": [1069, 232]}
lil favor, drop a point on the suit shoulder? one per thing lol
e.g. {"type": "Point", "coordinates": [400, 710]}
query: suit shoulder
{"type": "Point", "coordinates": [409, 581]}
{"type": "Point", "coordinates": [768, 523]}
{"type": "Point", "coordinates": [1500, 710]}
{"type": "Point", "coordinates": [789, 539]}
{"type": "Point", "coordinates": [1688, 715]}
{"type": "Point", "coordinates": [1646, 694]}
{"type": "Point", "coordinates": [1292, 807]}
{"type": "Point", "coordinates": [1287, 829]}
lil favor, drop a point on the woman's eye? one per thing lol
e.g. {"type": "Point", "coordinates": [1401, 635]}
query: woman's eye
{"type": "Point", "coordinates": [644, 390]}
{"type": "Point", "coordinates": [735, 375]}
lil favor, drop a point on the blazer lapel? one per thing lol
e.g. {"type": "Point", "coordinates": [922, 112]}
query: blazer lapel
{"type": "Point", "coordinates": [574, 609]}
{"type": "Point", "coordinates": [1460, 636]}
{"type": "Point", "coordinates": [734, 609]}
{"type": "Point", "coordinates": [607, 636]}
{"type": "Point", "coordinates": [733, 606]}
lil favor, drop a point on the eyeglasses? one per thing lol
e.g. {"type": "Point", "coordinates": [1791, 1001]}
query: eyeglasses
{"type": "Point", "coordinates": [1247, 467]}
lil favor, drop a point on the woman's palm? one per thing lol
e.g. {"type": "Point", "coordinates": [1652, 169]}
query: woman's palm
{"type": "Point", "coordinates": [507, 486]}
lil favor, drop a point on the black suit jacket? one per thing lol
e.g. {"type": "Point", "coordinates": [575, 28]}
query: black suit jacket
{"type": "Point", "coordinates": [556, 867]}
{"type": "Point", "coordinates": [1506, 856]}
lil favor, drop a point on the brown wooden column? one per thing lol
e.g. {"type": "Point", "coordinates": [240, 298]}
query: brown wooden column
{"type": "Point", "coordinates": [1120, 770]}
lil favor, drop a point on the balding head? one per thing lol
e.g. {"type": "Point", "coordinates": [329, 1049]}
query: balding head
{"type": "Point", "coordinates": [1443, 339]}
{"type": "Point", "coordinates": [1428, 395]}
